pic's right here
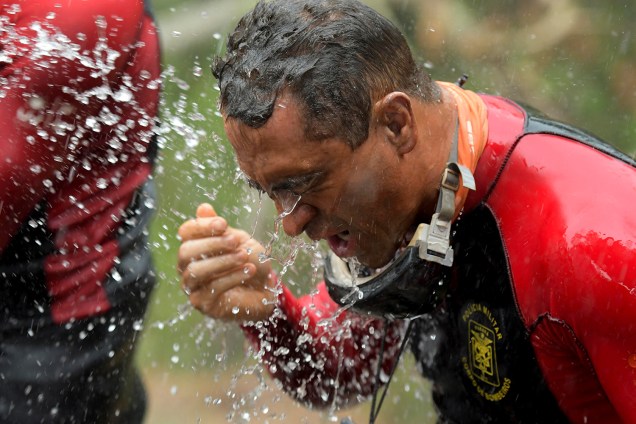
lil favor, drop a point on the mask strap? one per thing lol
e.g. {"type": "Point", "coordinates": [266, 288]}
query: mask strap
{"type": "Point", "coordinates": [434, 238]}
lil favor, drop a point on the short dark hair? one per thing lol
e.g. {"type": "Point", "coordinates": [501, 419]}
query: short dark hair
{"type": "Point", "coordinates": [334, 56]}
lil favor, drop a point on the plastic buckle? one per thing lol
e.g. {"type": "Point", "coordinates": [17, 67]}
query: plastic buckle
{"type": "Point", "coordinates": [450, 179]}
{"type": "Point", "coordinates": [434, 243]}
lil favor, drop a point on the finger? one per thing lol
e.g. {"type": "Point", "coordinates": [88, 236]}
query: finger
{"type": "Point", "coordinates": [203, 248]}
{"type": "Point", "coordinates": [241, 304]}
{"type": "Point", "coordinates": [205, 271]}
{"type": "Point", "coordinates": [202, 227]}
{"type": "Point", "coordinates": [205, 210]}
{"type": "Point", "coordinates": [206, 298]}
{"type": "Point", "coordinates": [246, 301]}
{"type": "Point", "coordinates": [242, 236]}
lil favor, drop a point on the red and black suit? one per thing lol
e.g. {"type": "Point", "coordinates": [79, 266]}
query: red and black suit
{"type": "Point", "coordinates": [79, 90]}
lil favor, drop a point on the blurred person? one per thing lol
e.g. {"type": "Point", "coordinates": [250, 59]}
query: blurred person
{"type": "Point", "coordinates": [493, 240]}
{"type": "Point", "coordinates": [79, 90]}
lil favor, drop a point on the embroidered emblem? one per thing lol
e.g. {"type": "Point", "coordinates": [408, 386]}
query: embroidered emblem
{"type": "Point", "coordinates": [483, 360]}
{"type": "Point", "coordinates": [483, 333]}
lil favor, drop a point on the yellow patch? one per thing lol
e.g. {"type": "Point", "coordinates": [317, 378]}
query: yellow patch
{"type": "Point", "coordinates": [481, 364]}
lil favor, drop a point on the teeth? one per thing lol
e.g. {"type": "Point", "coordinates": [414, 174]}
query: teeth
{"type": "Point", "coordinates": [344, 235]}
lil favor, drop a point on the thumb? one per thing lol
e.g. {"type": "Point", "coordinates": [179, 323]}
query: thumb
{"type": "Point", "coordinates": [205, 210]}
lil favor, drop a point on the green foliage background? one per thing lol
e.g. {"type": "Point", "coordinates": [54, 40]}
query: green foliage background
{"type": "Point", "coordinates": [572, 59]}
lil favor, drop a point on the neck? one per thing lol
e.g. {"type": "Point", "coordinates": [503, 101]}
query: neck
{"type": "Point", "coordinates": [436, 123]}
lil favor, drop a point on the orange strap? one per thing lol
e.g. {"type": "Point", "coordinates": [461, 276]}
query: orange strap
{"type": "Point", "coordinates": [473, 132]}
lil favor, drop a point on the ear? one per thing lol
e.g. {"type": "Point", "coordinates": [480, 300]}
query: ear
{"type": "Point", "coordinates": [395, 120]}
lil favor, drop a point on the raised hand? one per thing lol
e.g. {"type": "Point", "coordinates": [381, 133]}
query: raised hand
{"type": "Point", "coordinates": [220, 269]}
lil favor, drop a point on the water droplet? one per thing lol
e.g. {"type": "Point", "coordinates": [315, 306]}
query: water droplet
{"type": "Point", "coordinates": [174, 359]}
{"type": "Point", "coordinates": [36, 169]}
{"type": "Point", "coordinates": [192, 140]}
{"type": "Point", "coordinates": [235, 310]}
{"type": "Point", "coordinates": [124, 95]}
{"type": "Point", "coordinates": [111, 328]}
{"type": "Point", "coordinates": [100, 21]}
{"type": "Point", "coordinates": [37, 103]}
{"type": "Point", "coordinates": [153, 85]}
{"type": "Point", "coordinates": [101, 183]}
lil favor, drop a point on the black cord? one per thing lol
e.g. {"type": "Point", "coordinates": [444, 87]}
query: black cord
{"type": "Point", "coordinates": [376, 411]}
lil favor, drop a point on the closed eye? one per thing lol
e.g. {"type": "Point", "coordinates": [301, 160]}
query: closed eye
{"type": "Point", "coordinates": [254, 185]}
{"type": "Point", "coordinates": [299, 185]}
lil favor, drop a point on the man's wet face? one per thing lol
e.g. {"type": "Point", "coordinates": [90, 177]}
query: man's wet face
{"type": "Point", "coordinates": [350, 198]}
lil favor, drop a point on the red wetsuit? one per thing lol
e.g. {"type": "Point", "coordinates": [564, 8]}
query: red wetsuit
{"type": "Point", "coordinates": [79, 92]}
{"type": "Point", "coordinates": [538, 324]}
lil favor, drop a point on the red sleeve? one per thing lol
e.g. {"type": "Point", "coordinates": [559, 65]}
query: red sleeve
{"type": "Point", "coordinates": [321, 354]}
{"type": "Point", "coordinates": [55, 56]}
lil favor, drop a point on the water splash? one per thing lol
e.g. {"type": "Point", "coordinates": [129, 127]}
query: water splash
{"type": "Point", "coordinates": [53, 119]}
{"type": "Point", "coordinates": [193, 166]}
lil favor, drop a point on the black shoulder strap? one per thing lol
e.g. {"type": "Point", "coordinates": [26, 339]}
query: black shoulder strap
{"type": "Point", "coordinates": [538, 123]}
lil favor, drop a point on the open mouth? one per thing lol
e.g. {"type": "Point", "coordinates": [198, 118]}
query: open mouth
{"type": "Point", "coordinates": [343, 244]}
{"type": "Point", "coordinates": [340, 243]}
{"type": "Point", "coordinates": [406, 239]}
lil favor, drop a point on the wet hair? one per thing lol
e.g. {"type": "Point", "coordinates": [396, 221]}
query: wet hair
{"type": "Point", "coordinates": [336, 57]}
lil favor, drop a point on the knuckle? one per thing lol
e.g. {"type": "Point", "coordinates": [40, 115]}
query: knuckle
{"type": "Point", "coordinates": [185, 228]}
{"type": "Point", "coordinates": [183, 252]}
{"type": "Point", "coordinates": [189, 273]}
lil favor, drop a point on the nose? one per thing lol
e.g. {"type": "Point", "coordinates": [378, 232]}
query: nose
{"type": "Point", "coordinates": [295, 222]}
